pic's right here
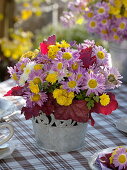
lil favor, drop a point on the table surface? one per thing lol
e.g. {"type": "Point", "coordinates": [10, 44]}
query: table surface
{"type": "Point", "coordinates": [27, 156]}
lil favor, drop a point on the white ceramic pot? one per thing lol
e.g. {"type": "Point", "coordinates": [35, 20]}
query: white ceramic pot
{"type": "Point", "coordinates": [58, 135]}
{"type": "Point", "coordinates": [119, 57]}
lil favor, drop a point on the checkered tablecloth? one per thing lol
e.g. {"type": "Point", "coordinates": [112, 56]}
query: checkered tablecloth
{"type": "Point", "coordinates": [27, 156]}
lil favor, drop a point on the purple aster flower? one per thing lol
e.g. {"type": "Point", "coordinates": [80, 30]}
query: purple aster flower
{"type": "Point", "coordinates": [89, 14]}
{"type": "Point", "coordinates": [101, 55]}
{"type": "Point", "coordinates": [37, 76]}
{"type": "Point", "coordinates": [72, 84]}
{"type": "Point", "coordinates": [92, 25]}
{"type": "Point", "coordinates": [120, 158]}
{"type": "Point", "coordinates": [112, 77]}
{"type": "Point", "coordinates": [122, 25]}
{"type": "Point", "coordinates": [102, 9]}
{"type": "Point", "coordinates": [94, 83]}
{"type": "Point", "coordinates": [67, 19]}
{"type": "Point", "coordinates": [32, 99]}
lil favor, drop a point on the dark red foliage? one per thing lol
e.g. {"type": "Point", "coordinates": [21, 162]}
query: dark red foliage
{"type": "Point", "coordinates": [44, 45]}
{"type": "Point", "coordinates": [106, 110]}
{"type": "Point", "coordinates": [85, 56]}
{"type": "Point", "coordinates": [48, 106]}
{"type": "Point", "coordinates": [30, 112]}
{"type": "Point", "coordinates": [15, 91]}
{"type": "Point", "coordinates": [77, 111]}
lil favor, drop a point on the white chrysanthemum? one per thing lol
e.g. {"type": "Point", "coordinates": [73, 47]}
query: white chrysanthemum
{"type": "Point", "coordinates": [27, 70]}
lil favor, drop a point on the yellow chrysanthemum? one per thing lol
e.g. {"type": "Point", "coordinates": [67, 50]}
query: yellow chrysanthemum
{"type": "Point", "coordinates": [64, 44]}
{"type": "Point", "coordinates": [57, 93]}
{"type": "Point", "coordinates": [53, 49]}
{"type": "Point", "coordinates": [68, 102]}
{"type": "Point", "coordinates": [104, 99]}
{"type": "Point", "coordinates": [52, 77]}
{"type": "Point", "coordinates": [61, 100]}
{"type": "Point", "coordinates": [29, 54]}
{"type": "Point", "coordinates": [63, 97]}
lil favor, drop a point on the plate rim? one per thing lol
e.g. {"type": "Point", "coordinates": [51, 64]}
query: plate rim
{"type": "Point", "coordinates": [8, 152]}
{"type": "Point", "coordinates": [12, 106]}
{"type": "Point", "coordinates": [92, 159]}
{"type": "Point", "coordinates": [118, 122]}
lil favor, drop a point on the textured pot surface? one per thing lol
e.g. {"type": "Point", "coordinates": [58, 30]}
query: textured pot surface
{"type": "Point", "coordinates": [119, 57]}
{"type": "Point", "coordinates": [61, 138]}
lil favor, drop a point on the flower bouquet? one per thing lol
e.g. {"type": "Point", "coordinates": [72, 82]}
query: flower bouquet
{"type": "Point", "coordinates": [66, 80]}
{"type": "Point", "coordinates": [116, 159]}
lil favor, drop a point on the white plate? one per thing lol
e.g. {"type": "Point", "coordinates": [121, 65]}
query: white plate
{"type": "Point", "coordinates": [8, 151]}
{"type": "Point", "coordinates": [92, 160]}
{"type": "Point", "coordinates": [6, 107]}
{"type": "Point", "coordinates": [121, 124]}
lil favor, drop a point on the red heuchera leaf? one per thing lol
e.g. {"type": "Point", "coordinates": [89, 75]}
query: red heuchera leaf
{"type": "Point", "coordinates": [106, 110]}
{"type": "Point", "coordinates": [15, 91]}
{"type": "Point", "coordinates": [30, 112]}
{"type": "Point", "coordinates": [44, 45]}
{"type": "Point", "coordinates": [77, 111]}
{"type": "Point", "coordinates": [48, 106]}
{"type": "Point", "coordinates": [85, 56]}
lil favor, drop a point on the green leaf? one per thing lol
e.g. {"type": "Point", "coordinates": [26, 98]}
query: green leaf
{"type": "Point", "coordinates": [96, 98]}
{"type": "Point", "coordinates": [87, 99]}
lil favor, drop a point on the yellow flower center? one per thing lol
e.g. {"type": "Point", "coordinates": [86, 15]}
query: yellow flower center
{"type": "Point", "coordinates": [92, 83]}
{"type": "Point", "coordinates": [59, 66]}
{"type": "Point", "coordinates": [27, 71]}
{"type": "Point", "coordinates": [104, 31]}
{"type": "Point", "coordinates": [100, 55]}
{"type": "Point", "coordinates": [122, 158]}
{"type": "Point", "coordinates": [122, 25]}
{"type": "Point", "coordinates": [75, 66]}
{"type": "Point", "coordinates": [53, 49]}
{"type": "Point", "coordinates": [14, 76]}
{"type": "Point", "coordinates": [104, 99]}
{"type": "Point", "coordinates": [72, 84]}
{"type": "Point", "coordinates": [114, 29]}
{"type": "Point", "coordinates": [116, 37]}
{"type": "Point", "coordinates": [36, 80]}
{"type": "Point", "coordinates": [38, 67]}
{"type": "Point", "coordinates": [89, 14]}
{"type": "Point", "coordinates": [79, 76]}
{"type": "Point", "coordinates": [22, 66]}
{"type": "Point", "coordinates": [34, 88]}
{"type": "Point", "coordinates": [67, 55]}
{"type": "Point", "coordinates": [35, 97]}
{"type": "Point", "coordinates": [93, 24]}
{"type": "Point", "coordinates": [104, 21]}
{"type": "Point", "coordinates": [101, 10]}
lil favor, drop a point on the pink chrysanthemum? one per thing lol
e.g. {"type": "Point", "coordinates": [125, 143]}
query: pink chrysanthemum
{"type": "Point", "coordinates": [120, 158]}
{"type": "Point", "coordinates": [101, 55]}
{"type": "Point", "coordinates": [72, 84]}
{"type": "Point", "coordinates": [113, 77]}
{"type": "Point", "coordinates": [33, 99]}
{"type": "Point", "coordinates": [95, 83]}
{"type": "Point", "coordinates": [37, 76]}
